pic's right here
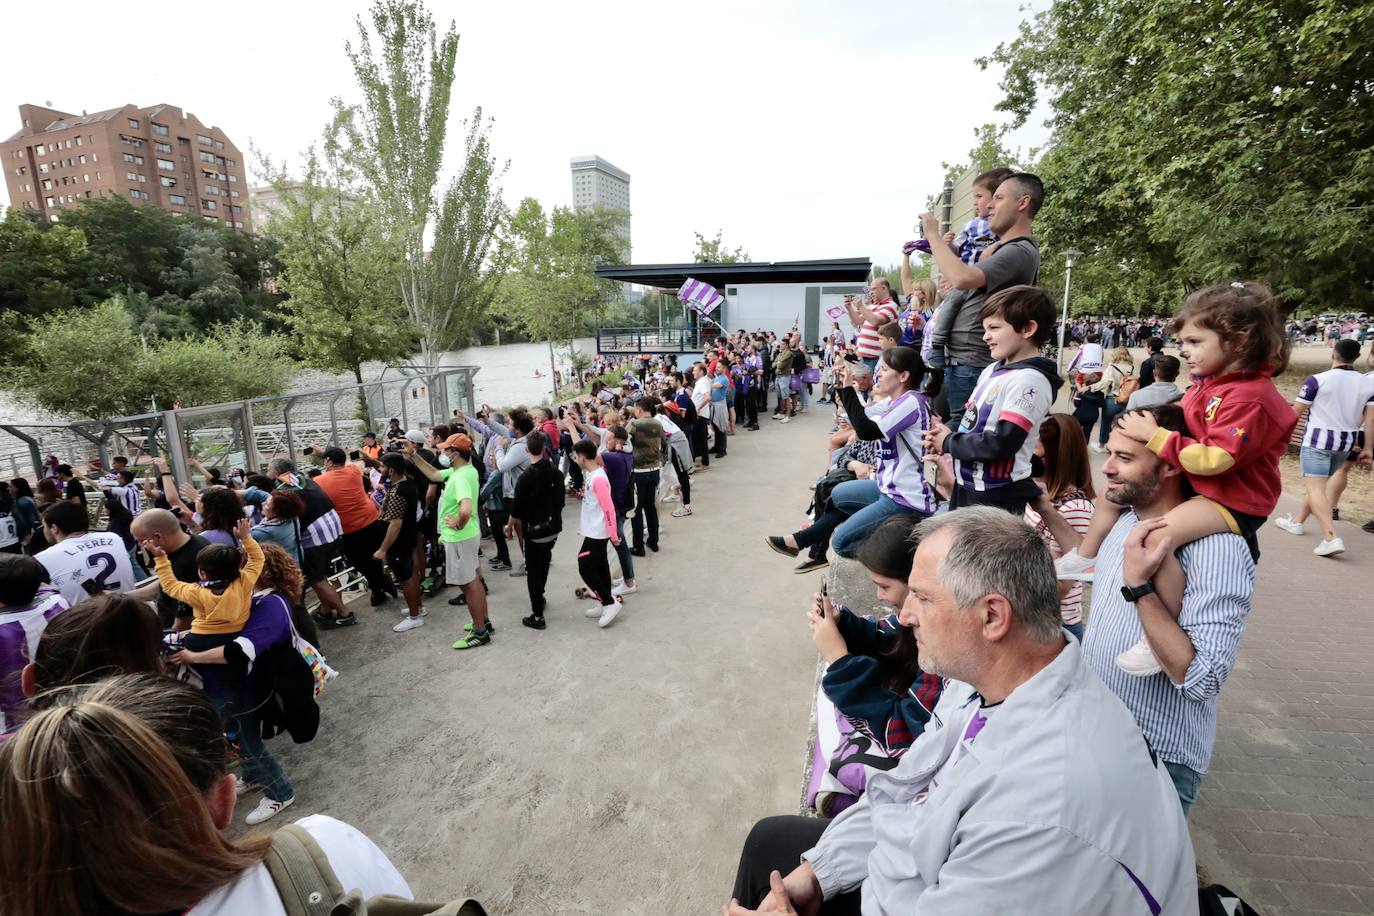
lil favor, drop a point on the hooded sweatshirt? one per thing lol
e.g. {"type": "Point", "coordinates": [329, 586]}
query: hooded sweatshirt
{"type": "Point", "coordinates": [998, 432]}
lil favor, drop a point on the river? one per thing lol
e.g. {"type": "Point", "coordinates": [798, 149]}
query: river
{"type": "Point", "coordinates": [506, 377]}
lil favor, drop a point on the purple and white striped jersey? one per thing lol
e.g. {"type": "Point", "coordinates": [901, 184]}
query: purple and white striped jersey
{"type": "Point", "coordinates": [901, 468]}
{"type": "Point", "coordinates": [130, 497]}
{"type": "Point", "coordinates": [1336, 399]}
{"type": "Point", "coordinates": [20, 628]}
{"type": "Point", "coordinates": [1016, 394]}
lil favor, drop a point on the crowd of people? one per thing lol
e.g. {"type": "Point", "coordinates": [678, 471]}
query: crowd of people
{"type": "Point", "coordinates": [1036, 748]}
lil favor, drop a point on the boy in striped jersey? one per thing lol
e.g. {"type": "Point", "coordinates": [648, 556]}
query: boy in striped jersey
{"type": "Point", "coordinates": [993, 445]}
{"type": "Point", "coordinates": [1339, 404]}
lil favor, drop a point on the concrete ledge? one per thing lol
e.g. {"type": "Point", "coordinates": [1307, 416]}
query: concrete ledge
{"type": "Point", "coordinates": [848, 584]}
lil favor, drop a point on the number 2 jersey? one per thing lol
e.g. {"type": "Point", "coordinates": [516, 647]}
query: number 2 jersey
{"type": "Point", "coordinates": [97, 556]}
{"type": "Point", "coordinates": [1001, 424]}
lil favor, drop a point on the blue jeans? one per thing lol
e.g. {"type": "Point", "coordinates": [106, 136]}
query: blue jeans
{"type": "Point", "coordinates": [1186, 781]}
{"type": "Point", "coordinates": [1076, 629]}
{"type": "Point", "coordinates": [866, 508]}
{"type": "Point", "coordinates": [259, 766]}
{"type": "Point", "coordinates": [627, 560]}
{"type": "Point", "coordinates": [1110, 411]}
{"type": "Point", "coordinates": [960, 381]}
{"type": "Point", "coordinates": [646, 506]}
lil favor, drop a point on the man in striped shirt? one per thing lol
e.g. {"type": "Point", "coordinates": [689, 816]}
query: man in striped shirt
{"type": "Point", "coordinates": [1176, 708]}
{"type": "Point", "coordinates": [867, 319]}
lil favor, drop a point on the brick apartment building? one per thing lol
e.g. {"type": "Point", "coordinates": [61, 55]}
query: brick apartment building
{"type": "Point", "coordinates": [158, 155]}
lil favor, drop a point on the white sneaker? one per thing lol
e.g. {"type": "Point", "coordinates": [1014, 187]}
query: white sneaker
{"type": "Point", "coordinates": [243, 786]}
{"type": "Point", "coordinates": [1329, 548]}
{"type": "Point", "coordinates": [1139, 661]}
{"type": "Point", "coordinates": [620, 581]}
{"type": "Point", "coordinates": [777, 416]}
{"type": "Point", "coordinates": [671, 498]}
{"type": "Point", "coordinates": [623, 589]}
{"type": "Point", "coordinates": [1099, 448]}
{"type": "Point", "coordinates": [408, 623]}
{"type": "Point", "coordinates": [267, 809]}
{"type": "Point", "coordinates": [1073, 568]}
{"type": "Point", "coordinates": [610, 612]}
{"type": "Point", "coordinates": [786, 419]}
{"type": "Point", "coordinates": [424, 611]}
{"type": "Point", "coordinates": [1287, 524]}
{"type": "Point", "coordinates": [679, 512]}
{"type": "Point", "coordinates": [594, 611]}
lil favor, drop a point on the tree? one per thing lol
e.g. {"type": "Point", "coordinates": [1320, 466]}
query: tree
{"type": "Point", "coordinates": [344, 307]}
{"type": "Point", "coordinates": [552, 292]}
{"type": "Point", "coordinates": [395, 139]}
{"type": "Point", "coordinates": [89, 362]}
{"type": "Point", "coordinates": [714, 251]}
{"type": "Point", "coordinates": [36, 265]}
{"type": "Point", "coordinates": [1200, 141]}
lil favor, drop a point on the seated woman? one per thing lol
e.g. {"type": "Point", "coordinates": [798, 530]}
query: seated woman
{"type": "Point", "coordinates": [873, 675]}
{"type": "Point", "coordinates": [1060, 466]}
{"type": "Point", "coordinates": [226, 671]}
{"type": "Point", "coordinates": [151, 758]}
{"type": "Point", "coordinates": [899, 486]}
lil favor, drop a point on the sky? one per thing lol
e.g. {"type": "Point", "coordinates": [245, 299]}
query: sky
{"type": "Point", "coordinates": [800, 129]}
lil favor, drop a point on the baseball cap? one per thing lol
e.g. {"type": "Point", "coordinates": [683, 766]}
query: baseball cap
{"type": "Point", "coordinates": [414, 435]}
{"type": "Point", "coordinates": [458, 441]}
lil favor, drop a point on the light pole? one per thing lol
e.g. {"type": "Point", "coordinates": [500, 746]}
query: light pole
{"type": "Point", "coordinates": [1070, 255]}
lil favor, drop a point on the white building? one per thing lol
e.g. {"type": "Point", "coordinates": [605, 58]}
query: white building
{"type": "Point", "coordinates": [597, 183]}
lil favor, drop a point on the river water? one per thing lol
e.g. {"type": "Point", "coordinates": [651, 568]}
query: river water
{"type": "Point", "coordinates": [506, 377]}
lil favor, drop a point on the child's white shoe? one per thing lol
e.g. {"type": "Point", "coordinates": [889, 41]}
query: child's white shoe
{"type": "Point", "coordinates": [1138, 660]}
{"type": "Point", "coordinates": [1073, 568]}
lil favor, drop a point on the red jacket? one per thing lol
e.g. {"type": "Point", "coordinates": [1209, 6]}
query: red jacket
{"type": "Point", "coordinates": [1242, 426]}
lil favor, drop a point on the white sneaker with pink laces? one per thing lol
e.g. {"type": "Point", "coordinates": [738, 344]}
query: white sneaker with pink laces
{"type": "Point", "coordinates": [1139, 661]}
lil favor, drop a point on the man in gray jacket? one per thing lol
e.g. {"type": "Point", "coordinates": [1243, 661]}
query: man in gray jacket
{"type": "Point", "coordinates": [1032, 788]}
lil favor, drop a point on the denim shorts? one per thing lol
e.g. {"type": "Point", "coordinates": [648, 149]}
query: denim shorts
{"type": "Point", "coordinates": [1321, 462]}
{"type": "Point", "coordinates": [784, 386]}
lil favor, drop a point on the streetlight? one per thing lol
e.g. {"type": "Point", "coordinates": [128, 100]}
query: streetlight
{"type": "Point", "coordinates": [1070, 255]}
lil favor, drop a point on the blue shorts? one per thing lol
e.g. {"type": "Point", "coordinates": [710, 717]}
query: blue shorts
{"type": "Point", "coordinates": [784, 384]}
{"type": "Point", "coordinates": [1321, 462]}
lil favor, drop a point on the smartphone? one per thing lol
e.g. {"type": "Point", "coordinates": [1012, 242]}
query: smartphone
{"type": "Point", "coordinates": [92, 587]}
{"type": "Point", "coordinates": [932, 472]}
{"type": "Point", "coordinates": [354, 455]}
{"type": "Point", "coordinates": [825, 594]}
{"type": "Point", "coordinates": [308, 450]}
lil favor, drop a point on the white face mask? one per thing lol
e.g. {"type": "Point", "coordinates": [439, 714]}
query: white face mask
{"type": "Point", "coordinates": [444, 461]}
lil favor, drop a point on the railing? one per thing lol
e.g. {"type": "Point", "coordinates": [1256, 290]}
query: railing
{"type": "Point", "coordinates": [653, 339]}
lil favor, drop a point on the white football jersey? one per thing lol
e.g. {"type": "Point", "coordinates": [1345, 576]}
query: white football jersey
{"type": "Point", "coordinates": [98, 557]}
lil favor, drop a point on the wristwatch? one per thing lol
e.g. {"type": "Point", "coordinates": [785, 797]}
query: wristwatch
{"type": "Point", "coordinates": [1134, 593]}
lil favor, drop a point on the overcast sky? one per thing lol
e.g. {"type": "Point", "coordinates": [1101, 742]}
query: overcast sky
{"type": "Point", "coordinates": [801, 128]}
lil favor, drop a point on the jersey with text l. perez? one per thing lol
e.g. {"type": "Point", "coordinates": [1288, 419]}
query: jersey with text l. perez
{"type": "Point", "coordinates": [96, 556]}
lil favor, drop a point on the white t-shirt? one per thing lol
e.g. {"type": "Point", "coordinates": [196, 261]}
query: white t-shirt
{"type": "Point", "coordinates": [1089, 359]}
{"type": "Point", "coordinates": [96, 555]}
{"type": "Point", "coordinates": [701, 395]}
{"type": "Point", "coordinates": [1337, 399]}
{"type": "Point", "coordinates": [669, 427]}
{"type": "Point", "coordinates": [356, 860]}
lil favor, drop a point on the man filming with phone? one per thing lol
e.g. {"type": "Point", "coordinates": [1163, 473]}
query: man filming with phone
{"type": "Point", "coordinates": [868, 317]}
{"type": "Point", "coordinates": [362, 533]}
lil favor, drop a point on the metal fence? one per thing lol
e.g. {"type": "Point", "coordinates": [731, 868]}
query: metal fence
{"type": "Point", "coordinates": [654, 339]}
{"type": "Point", "coordinates": [245, 434]}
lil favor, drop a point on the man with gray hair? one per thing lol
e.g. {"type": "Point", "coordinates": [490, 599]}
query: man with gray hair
{"type": "Point", "coordinates": [1032, 787]}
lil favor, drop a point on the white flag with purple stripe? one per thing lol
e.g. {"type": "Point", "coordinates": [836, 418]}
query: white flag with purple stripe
{"type": "Point", "coordinates": [702, 297]}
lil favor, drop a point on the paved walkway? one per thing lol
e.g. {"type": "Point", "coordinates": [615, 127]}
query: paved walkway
{"type": "Point", "coordinates": [1286, 813]}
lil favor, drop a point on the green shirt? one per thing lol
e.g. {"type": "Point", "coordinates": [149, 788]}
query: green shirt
{"type": "Point", "coordinates": [459, 484]}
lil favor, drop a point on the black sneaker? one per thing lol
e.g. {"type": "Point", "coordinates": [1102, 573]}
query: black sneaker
{"type": "Point", "coordinates": [654, 548]}
{"type": "Point", "coordinates": [637, 552]}
{"type": "Point", "coordinates": [810, 564]}
{"type": "Point", "coordinates": [379, 600]}
{"type": "Point", "coordinates": [348, 620]}
{"type": "Point", "coordinates": [1369, 526]}
{"type": "Point", "coordinates": [780, 546]}
{"type": "Point", "coordinates": [1335, 515]}
{"type": "Point", "coordinates": [534, 621]}
{"type": "Point", "coordinates": [497, 564]}
{"type": "Point", "coordinates": [460, 601]}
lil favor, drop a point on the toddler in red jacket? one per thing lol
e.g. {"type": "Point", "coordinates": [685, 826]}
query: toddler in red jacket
{"type": "Point", "coordinates": [1234, 343]}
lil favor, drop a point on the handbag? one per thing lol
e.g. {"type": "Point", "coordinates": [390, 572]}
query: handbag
{"type": "Point", "coordinates": [811, 375]}
{"type": "Point", "coordinates": [794, 382]}
{"type": "Point", "coordinates": [1128, 387]}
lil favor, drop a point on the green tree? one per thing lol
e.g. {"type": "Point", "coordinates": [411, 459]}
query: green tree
{"type": "Point", "coordinates": [395, 138]}
{"type": "Point", "coordinates": [90, 362]}
{"type": "Point", "coordinates": [344, 307]}
{"type": "Point", "coordinates": [552, 292]}
{"type": "Point", "coordinates": [35, 265]}
{"type": "Point", "coordinates": [714, 251]}
{"type": "Point", "coordinates": [1198, 141]}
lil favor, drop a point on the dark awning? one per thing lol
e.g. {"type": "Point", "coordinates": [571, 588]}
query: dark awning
{"type": "Point", "coordinates": [672, 276]}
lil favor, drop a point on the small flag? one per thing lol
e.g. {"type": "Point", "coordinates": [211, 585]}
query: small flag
{"type": "Point", "coordinates": [702, 297]}
{"type": "Point", "coordinates": [834, 312]}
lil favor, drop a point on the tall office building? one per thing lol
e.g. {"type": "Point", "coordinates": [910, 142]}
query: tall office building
{"type": "Point", "coordinates": [159, 155]}
{"type": "Point", "coordinates": [597, 183]}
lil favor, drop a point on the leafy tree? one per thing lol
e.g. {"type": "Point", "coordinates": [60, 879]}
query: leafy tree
{"type": "Point", "coordinates": [553, 293]}
{"type": "Point", "coordinates": [344, 307]}
{"type": "Point", "coordinates": [1197, 141]}
{"type": "Point", "coordinates": [36, 266]}
{"type": "Point", "coordinates": [714, 251]}
{"type": "Point", "coordinates": [90, 362]}
{"type": "Point", "coordinates": [395, 139]}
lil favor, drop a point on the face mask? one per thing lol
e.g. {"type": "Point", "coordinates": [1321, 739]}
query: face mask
{"type": "Point", "coordinates": [1037, 466]}
{"type": "Point", "coordinates": [445, 461]}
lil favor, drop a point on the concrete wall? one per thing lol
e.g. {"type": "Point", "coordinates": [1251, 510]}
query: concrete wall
{"type": "Point", "coordinates": [778, 306]}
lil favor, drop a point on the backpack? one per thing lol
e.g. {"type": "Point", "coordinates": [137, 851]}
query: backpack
{"type": "Point", "coordinates": [551, 526]}
{"type": "Point", "coordinates": [307, 885]}
{"type": "Point", "coordinates": [1128, 387]}
{"type": "Point", "coordinates": [285, 685]}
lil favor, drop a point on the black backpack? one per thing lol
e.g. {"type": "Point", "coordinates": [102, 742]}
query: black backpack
{"type": "Point", "coordinates": [285, 686]}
